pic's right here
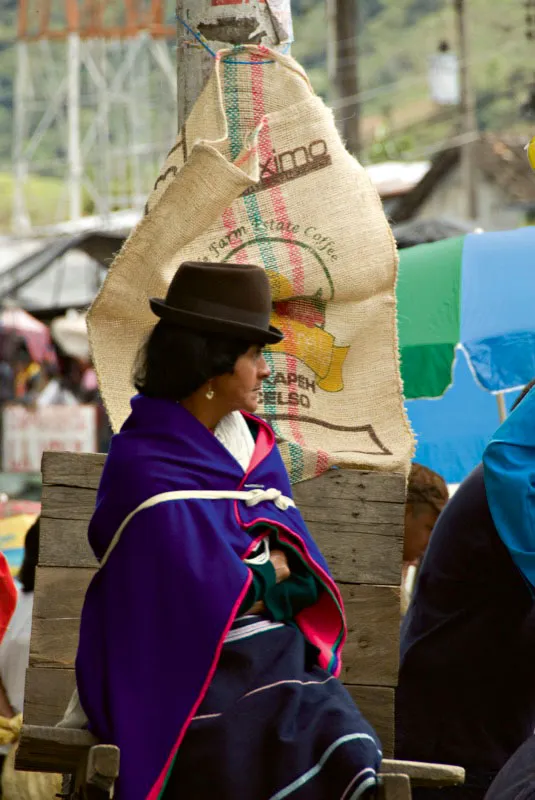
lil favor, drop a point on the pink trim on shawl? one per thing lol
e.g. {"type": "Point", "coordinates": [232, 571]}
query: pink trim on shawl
{"type": "Point", "coordinates": [317, 622]}
{"type": "Point", "coordinates": [318, 628]}
{"type": "Point", "coordinates": [264, 444]}
{"type": "Point", "coordinates": [156, 790]}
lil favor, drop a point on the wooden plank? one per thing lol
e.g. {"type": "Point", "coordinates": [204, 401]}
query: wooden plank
{"type": "Point", "coordinates": [353, 555]}
{"type": "Point", "coordinates": [353, 508]}
{"type": "Point", "coordinates": [377, 705]}
{"type": "Point", "coordinates": [356, 517]}
{"type": "Point", "coordinates": [369, 515]}
{"type": "Point", "coordinates": [54, 642]}
{"type": "Point", "coordinates": [371, 654]}
{"type": "Point", "coordinates": [83, 470]}
{"type": "Point", "coordinates": [72, 469]}
{"type": "Point", "coordinates": [424, 774]}
{"type": "Point", "coordinates": [359, 552]}
{"type": "Point", "coordinates": [60, 592]}
{"type": "Point", "coordinates": [48, 692]}
{"type": "Point", "coordinates": [356, 556]}
{"type": "Point", "coordinates": [357, 520]}
{"type": "Point", "coordinates": [102, 768]}
{"type": "Point", "coordinates": [47, 695]}
{"type": "Point", "coordinates": [66, 502]}
{"type": "Point", "coordinates": [63, 543]}
{"type": "Point", "coordinates": [44, 749]}
{"type": "Point", "coordinates": [48, 749]}
{"type": "Point", "coordinates": [394, 786]}
{"type": "Point", "coordinates": [348, 484]}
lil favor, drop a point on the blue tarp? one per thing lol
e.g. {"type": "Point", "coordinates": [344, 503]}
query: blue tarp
{"type": "Point", "coordinates": [453, 430]}
{"type": "Point", "coordinates": [498, 307]}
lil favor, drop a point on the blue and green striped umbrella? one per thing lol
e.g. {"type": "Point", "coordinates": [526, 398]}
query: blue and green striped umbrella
{"type": "Point", "coordinates": [476, 292]}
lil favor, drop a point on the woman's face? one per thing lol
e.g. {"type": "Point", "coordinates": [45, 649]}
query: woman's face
{"type": "Point", "coordinates": [239, 391]}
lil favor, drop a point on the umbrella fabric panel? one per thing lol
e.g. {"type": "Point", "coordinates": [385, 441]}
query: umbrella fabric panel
{"type": "Point", "coordinates": [429, 308]}
{"type": "Point", "coordinates": [452, 431]}
{"type": "Point", "coordinates": [498, 307]}
{"type": "Point", "coordinates": [426, 370]}
{"type": "Point", "coordinates": [35, 333]}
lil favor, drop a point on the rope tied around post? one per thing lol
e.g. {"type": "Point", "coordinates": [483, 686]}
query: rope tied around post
{"type": "Point", "coordinates": [202, 41]}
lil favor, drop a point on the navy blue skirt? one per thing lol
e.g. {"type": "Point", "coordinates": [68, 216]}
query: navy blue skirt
{"type": "Point", "coordinates": [274, 725]}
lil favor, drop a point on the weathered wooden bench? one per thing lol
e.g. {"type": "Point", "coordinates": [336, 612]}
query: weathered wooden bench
{"type": "Point", "coordinates": [357, 519]}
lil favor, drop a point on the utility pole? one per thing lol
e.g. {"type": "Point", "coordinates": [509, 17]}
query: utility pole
{"type": "Point", "coordinates": [220, 24]}
{"type": "Point", "coordinates": [332, 50]}
{"type": "Point", "coordinates": [76, 72]}
{"type": "Point", "coordinates": [21, 220]}
{"type": "Point", "coordinates": [468, 113]}
{"type": "Point", "coordinates": [342, 63]}
{"type": "Point", "coordinates": [74, 149]}
{"type": "Point", "coordinates": [73, 113]}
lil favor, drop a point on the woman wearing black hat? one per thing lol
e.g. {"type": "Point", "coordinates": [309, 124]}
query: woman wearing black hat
{"type": "Point", "coordinates": [211, 636]}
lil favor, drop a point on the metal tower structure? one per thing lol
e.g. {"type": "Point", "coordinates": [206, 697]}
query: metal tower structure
{"type": "Point", "coordinates": [95, 101]}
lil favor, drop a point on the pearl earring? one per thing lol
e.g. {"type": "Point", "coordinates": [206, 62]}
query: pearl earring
{"type": "Point", "coordinates": [210, 394]}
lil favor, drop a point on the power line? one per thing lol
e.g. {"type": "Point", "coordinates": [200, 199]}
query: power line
{"type": "Point", "coordinates": [388, 88]}
{"type": "Point", "coordinates": [459, 140]}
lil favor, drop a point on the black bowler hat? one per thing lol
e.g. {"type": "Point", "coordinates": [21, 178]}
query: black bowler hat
{"type": "Point", "coordinates": [220, 298]}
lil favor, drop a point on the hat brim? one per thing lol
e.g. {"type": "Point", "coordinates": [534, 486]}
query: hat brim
{"type": "Point", "coordinates": [205, 324]}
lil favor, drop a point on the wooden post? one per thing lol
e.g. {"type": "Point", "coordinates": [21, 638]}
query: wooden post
{"type": "Point", "coordinates": [395, 787]}
{"type": "Point", "coordinates": [468, 113]}
{"type": "Point", "coordinates": [344, 59]}
{"type": "Point", "coordinates": [502, 409]}
{"type": "Point", "coordinates": [221, 24]}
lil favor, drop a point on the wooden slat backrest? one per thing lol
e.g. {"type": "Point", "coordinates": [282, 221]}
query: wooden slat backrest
{"type": "Point", "coordinates": [356, 518]}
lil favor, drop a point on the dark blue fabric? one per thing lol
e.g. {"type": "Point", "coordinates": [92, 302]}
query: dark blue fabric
{"type": "Point", "coordinates": [474, 788]}
{"type": "Point", "coordinates": [272, 720]}
{"type": "Point", "coordinates": [516, 781]}
{"type": "Point", "coordinates": [448, 793]}
{"type": "Point", "coordinates": [466, 691]}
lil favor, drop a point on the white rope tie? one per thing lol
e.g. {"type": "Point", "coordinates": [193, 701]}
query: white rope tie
{"type": "Point", "coordinates": [251, 499]}
{"type": "Point", "coordinates": [257, 496]}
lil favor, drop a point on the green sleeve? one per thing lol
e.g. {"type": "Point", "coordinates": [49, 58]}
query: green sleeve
{"type": "Point", "coordinates": [264, 579]}
{"type": "Point", "coordinates": [286, 599]}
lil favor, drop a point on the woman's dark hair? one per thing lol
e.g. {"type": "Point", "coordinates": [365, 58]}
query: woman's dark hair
{"type": "Point", "coordinates": [174, 362]}
{"type": "Point", "coordinates": [26, 574]}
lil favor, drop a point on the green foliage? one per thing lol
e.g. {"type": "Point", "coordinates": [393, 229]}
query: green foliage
{"type": "Point", "coordinates": [396, 39]}
{"type": "Point", "coordinates": [42, 195]}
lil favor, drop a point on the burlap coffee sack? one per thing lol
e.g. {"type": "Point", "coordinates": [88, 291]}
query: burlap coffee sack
{"type": "Point", "coordinates": [296, 202]}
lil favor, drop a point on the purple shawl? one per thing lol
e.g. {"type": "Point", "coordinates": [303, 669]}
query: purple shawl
{"type": "Point", "coordinates": [156, 615]}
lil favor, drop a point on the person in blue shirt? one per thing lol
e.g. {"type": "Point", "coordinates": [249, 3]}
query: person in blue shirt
{"type": "Point", "coordinates": [509, 467]}
{"type": "Point", "coordinates": [466, 691]}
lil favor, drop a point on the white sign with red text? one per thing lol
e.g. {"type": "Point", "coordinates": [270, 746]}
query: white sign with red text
{"type": "Point", "coordinates": [27, 433]}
